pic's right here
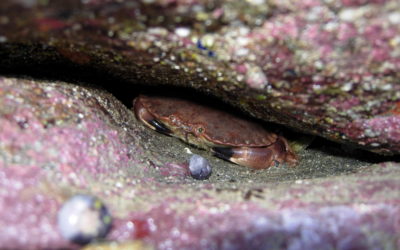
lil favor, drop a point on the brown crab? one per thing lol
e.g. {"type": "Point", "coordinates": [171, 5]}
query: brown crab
{"type": "Point", "coordinates": [229, 137]}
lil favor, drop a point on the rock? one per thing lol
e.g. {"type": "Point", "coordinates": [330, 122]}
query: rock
{"type": "Point", "coordinates": [326, 68]}
{"type": "Point", "coordinates": [83, 219]}
{"type": "Point", "coordinates": [329, 69]}
{"type": "Point", "coordinates": [56, 138]}
{"type": "Point", "coordinates": [199, 167]}
{"type": "Point", "coordinates": [59, 139]}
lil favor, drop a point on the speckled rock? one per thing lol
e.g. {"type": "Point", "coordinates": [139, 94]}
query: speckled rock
{"type": "Point", "coordinates": [326, 68]}
{"type": "Point", "coordinates": [55, 139]}
{"type": "Point", "coordinates": [59, 139]}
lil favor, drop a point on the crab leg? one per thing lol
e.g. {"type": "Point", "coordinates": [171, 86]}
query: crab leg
{"type": "Point", "coordinates": [143, 115]}
{"type": "Point", "coordinates": [258, 158]}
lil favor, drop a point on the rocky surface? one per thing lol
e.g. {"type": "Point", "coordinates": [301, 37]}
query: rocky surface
{"type": "Point", "coordinates": [60, 139]}
{"type": "Point", "coordinates": [325, 68]}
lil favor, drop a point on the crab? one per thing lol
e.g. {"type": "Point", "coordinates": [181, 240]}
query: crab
{"type": "Point", "coordinates": [229, 137]}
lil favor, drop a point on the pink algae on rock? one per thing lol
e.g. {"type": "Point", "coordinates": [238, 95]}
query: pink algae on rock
{"type": "Point", "coordinates": [245, 226]}
{"type": "Point", "coordinates": [323, 67]}
{"type": "Point", "coordinates": [52, 141]}
{"type": "Point", "coordinates": [287, 62]}
{"type": "Point", "coordinates": [370, 132]}
{"type": "Point", "coordinates": [58, 152]}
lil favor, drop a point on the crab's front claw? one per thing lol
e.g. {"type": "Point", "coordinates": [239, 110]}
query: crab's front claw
{"type": "Point", "coordinates": [147, 118]}
{"type": "Point", "coordinates": [259, 158]}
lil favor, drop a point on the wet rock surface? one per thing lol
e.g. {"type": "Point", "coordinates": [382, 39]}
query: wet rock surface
{"type": "Point", "coordinates": [326, 69]}
{"type": "Point", "coordinates": [60, 139]}
{"type": "Point", "coordinates": [329, 69]}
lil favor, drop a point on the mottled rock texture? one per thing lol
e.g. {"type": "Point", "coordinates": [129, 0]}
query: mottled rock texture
{"type": "Point", "coordinates": [60, 139]}
{"type": "Point", "coordinates": [329, 68]}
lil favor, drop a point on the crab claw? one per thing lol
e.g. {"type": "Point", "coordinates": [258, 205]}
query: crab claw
{"type": "Point", "coordinates": [258, 158]}
{"type": "Point", "coordinates": [147, 118]}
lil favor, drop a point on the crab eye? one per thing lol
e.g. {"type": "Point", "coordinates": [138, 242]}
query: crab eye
{"type": "Point", "coordinates": [200, 130]}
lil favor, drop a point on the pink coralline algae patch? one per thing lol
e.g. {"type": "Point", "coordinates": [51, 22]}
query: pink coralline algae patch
{"type": "Point", "coordinates": [49, 140]}
{"type": "Point", "coordinates": [346, 31]}
{"type": "Point", "coordinates": [174, 170]}
{"type": "Point", "coordinates": [375, 131]}
{"type": "Point", "coordinates": [261, 56]}
{"type": "Point", "coordinates": [323, 67]}
{"type": "Point", "coordinates": [248, 227]}
{"type": "Point", "coordinates": [348, 212]}
{"type": "Point", "coordinates": [286, 27]}
{"type": "Point", "coordinates": [343, 105]}
{"type": "Point", "coordinates": [49, 154]}
{"type": "Point", "coordinates": [28, 212]}
{"type": "Point", "coordinates": [353, 3]}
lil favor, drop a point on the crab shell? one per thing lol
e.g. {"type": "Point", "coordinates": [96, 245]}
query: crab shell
{"type": "Point", "coordinates": [229, 137]}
